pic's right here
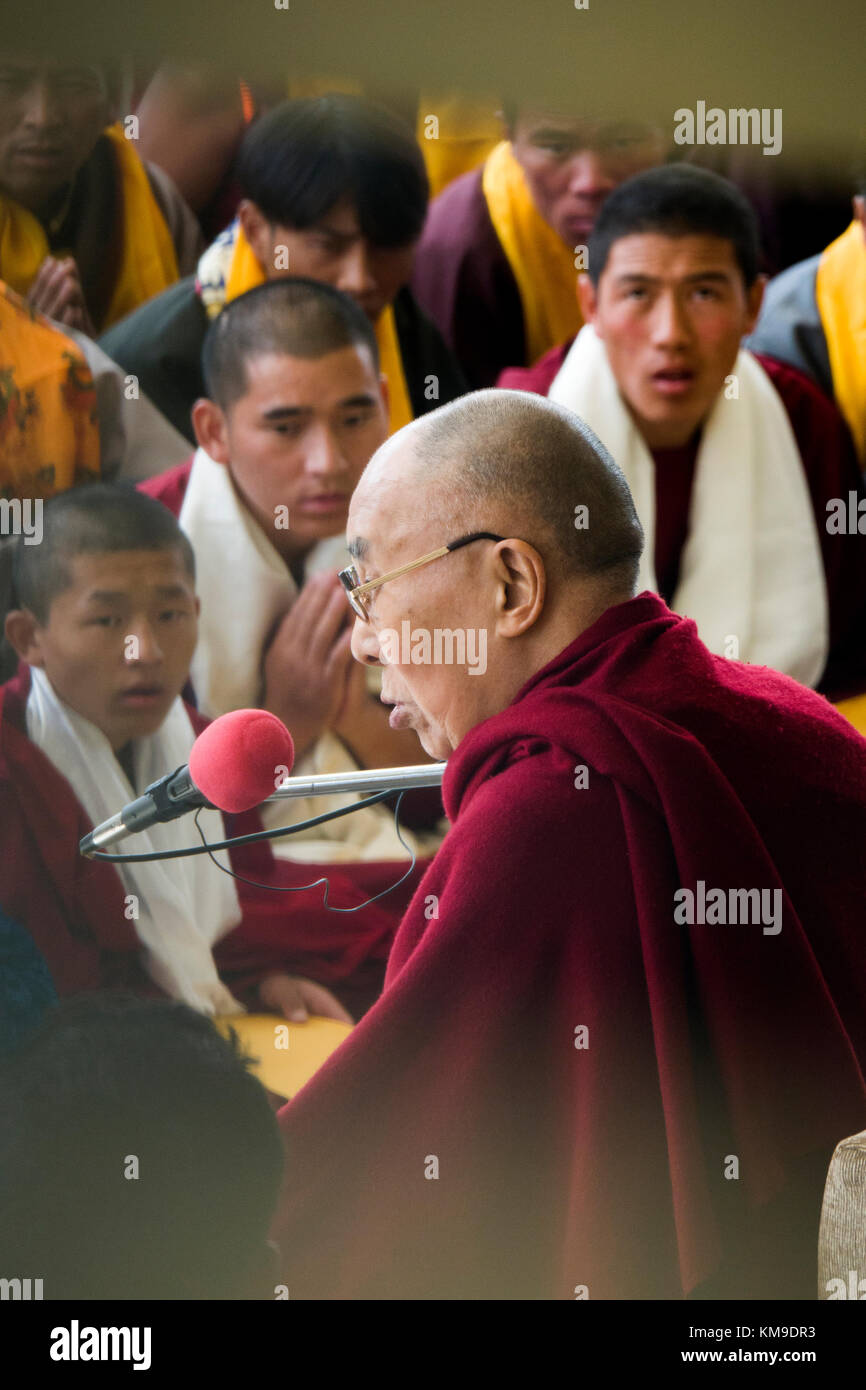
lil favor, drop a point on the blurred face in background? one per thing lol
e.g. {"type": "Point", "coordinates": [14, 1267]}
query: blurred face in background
{"type": "Point", "coordinates": [572, 164]}
{"type": "Point", "coordinates": [334, 251]}
{"type": "Point", "coordinates": [51, 115]}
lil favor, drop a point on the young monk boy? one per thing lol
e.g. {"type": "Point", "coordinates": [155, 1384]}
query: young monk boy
{"type": "Point", "coordinates": [105, 628]}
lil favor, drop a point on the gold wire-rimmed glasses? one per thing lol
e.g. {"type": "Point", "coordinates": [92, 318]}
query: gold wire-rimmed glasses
{"type": "Point", "coordinates": [355, 592]}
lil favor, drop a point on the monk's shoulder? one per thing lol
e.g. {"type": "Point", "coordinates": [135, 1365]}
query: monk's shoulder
{"type": "Point", "coordinates": [538, 779]}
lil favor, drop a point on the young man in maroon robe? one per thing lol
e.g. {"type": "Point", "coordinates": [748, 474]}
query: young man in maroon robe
{"type": "Point", "coordinates": [295, 408]}
{"type": "Point", "coordinates": [624, 1020]}
{"type": "Point", "coordinates": [496, 262]}
{"type": "Point", "coordinates": [737, 462]}
{"type": "Point", "coordinates": [105, 629]}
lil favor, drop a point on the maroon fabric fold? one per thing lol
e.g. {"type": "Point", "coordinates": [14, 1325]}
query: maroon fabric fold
{"type": "Point", "coordinates": [678, 1146]}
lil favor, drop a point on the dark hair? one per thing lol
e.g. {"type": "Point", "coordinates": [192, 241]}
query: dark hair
{"type": "Point", "coordinates": [299, 317]}
{"type": "Point", "coordinates": [92, 519]}
{"type": "Point", "coordinates": [302, 157]}
{"type": "Point", "coordinates": [111, 1084]}
{"type": "Point", "coordinates": [677, 200]}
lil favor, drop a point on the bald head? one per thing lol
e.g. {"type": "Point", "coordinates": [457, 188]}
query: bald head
{"type": "Point", "coordinates": [551, 542]}
{"type": "Point", "coordinates": [516, 463]}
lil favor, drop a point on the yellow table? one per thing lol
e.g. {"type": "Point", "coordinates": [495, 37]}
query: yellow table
{"type": "Point", "coordinates": [854, 711]}
{"type": "Point", "coordinates": [286, 1054]}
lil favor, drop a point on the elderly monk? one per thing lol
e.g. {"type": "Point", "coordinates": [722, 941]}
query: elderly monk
{"type": "Point", "coordinates": [624, 1017]}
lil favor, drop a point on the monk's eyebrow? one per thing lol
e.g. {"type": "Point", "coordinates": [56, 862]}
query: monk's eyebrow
{"type": "Point", "coordinates": [286, 412]}
{"type": "Point", "coordinates": [634, 277]}
{"type": "Point", "coordinates": [119, 596]}
{"type": "Point", "coordinates": [358, 547]}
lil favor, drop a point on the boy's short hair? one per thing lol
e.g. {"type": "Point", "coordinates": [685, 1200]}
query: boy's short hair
{"type": "Point", "coordinates": [677, 200]}
{"type": "Point", "coordinates": [92, 519]}
{"type": "Point", "coordinates": [295, 316]}
{"type": "Point", "coordinates": [304, 156]}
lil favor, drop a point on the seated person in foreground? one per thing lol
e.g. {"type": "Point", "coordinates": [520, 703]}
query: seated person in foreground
{"type": "Point", "coordinates": [496, 264]}
{"type": "Point", "coordinates": [139, 1159]}
{"type": "Point", "coordinates": [106, 629]}
{"type": "Point", "coordinates": [734, 462]}
{"type": "Point", "coordinates": [334, 189]}
{"type": "Point", "coordinates": [295, 407]}
{"type": "Point", "coordinates": [88, 232]}
{"type": "Point", "coordinates": [813, 317]}
{"type": "Point", "coordinates": [624, 1020]}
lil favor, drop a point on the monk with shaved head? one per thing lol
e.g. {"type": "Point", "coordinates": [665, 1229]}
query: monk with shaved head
{"type": "Point", "coordinates": [624, 1018]}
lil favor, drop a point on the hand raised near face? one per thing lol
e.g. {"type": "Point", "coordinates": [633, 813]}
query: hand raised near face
{"type": "Point", "coordinates": [306, 665]}
{"type": "Point", "coordinates": [57, 292]}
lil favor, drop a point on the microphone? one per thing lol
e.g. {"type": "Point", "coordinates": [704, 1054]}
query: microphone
{"type": "Point", "coordinates": [385, 779]}
{"type": "Point", "coordinates": [233, 766]}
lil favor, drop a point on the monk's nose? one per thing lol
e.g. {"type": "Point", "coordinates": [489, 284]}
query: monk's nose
{"type": "Point", "coordinates": [365, 643]}
{"type": "Point", "coordinates": [588, 174]}
{"type": "Point", "coordinates": [142, 644]}
{"type": "Point", "coordinates": [41, 109]}
{"type": "Point", "coordinates": [670, 322]}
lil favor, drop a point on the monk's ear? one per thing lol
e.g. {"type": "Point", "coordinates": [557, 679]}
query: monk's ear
{"type": "Point", "coordinates": [22, 634]}
{"type": "Point", "coordinates": [587, 298]}
{"type": "Point", "coordinates": [257, 231]}
{"type": "Point", "coordinates": [211, 430]}
{"type": "Point", "coordinates": [860, 211]}
{"type": "Point", "coordinates": [754, 300]}
{"type": "Point", "coordinates": [521, 587]}
{"type": "Point", "coordinates": [385, 394]}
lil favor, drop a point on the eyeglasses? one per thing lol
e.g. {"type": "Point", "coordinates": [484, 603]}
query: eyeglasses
{"type": "Point", "coordinates": [355, 591]}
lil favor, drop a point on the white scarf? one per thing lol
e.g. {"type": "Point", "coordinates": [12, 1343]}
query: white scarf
{"type": "Point", "coordinates": [751, 566]}
{"type": "Point", "coordinates": [246, 588]}
{"type": "Point", "coordinates": [179, 907]}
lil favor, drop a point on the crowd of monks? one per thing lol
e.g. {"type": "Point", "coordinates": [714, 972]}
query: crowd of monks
{"type": "Point", "coordinates": [280, 377]}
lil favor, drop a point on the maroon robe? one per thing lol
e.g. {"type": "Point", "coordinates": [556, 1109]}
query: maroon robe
{"type": "Point", "coordinates": [832, 470]}
{"type": "Point", "coordinates": [467, 1141]}
{"type": "Point", "coordinates": [74, 907]}
{"type": "Point", "coordinates": [462, 280]}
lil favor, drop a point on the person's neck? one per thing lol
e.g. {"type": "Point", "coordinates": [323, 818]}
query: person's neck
{"type": "Point", "coordinates": [51, 210]}
{"type": "Point", "coordinates": [294, 557]}
{"type": "Point", "coordinates": [126, 757]}
{"type": "Point", "coordinates": [664, 435]}
{"type": "Point", "coordinates": [292, 553]}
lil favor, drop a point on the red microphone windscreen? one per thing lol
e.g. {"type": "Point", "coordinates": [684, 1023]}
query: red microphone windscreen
{"type": "Point", "coordinates": [239, 759]}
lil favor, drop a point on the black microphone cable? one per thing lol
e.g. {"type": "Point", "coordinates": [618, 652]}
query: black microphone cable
{"type": "Point", "coordinates": [210, 848]}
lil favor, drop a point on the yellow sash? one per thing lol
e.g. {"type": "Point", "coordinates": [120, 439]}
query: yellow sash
{"type": "Point", "coordinates": [245, 273]}
{"type": "Point", "coordinates": [49, 433]}
{"type": "Point", "coordinates": [464, 134]}
{"type": "Point", "coordinates": [148, 263]}
{"type": "Point", "coordinates": [840, 289]}
{"type": "Point", "coordinates": [542, 264]}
